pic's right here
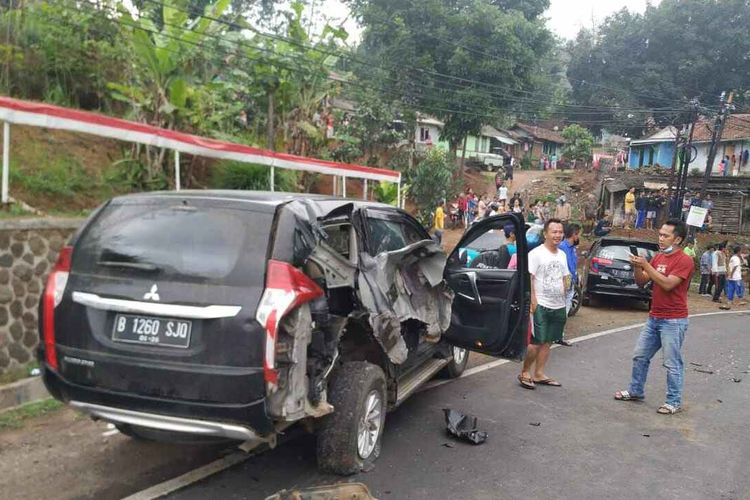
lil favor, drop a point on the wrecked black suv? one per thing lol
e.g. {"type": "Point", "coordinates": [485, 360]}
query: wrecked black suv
{"type": "Point", "coordinates": [233, 315]}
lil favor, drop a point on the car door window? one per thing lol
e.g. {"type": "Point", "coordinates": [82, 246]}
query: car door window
{"type": "Point", "coordinates": [385, 236]}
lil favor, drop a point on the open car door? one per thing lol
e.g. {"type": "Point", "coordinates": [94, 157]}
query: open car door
{"type": "Point", "coordinates": [490, 310]}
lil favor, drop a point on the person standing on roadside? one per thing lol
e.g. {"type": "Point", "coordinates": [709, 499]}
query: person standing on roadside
{"type": "Point", "coordinates": [509, 174]}
{"type": "Point", "coordinates": [719, 270]}
{"type": "Point", "coordinates": [667, 324]}
{"type": "Point", "coordinates": [735, 290]}
{"type": "Point", "coordinates": [706, 286]}
{"type": "Point", "coordinates": [550, 280]}
{"type": "Point", "coordinates": [568, 245]}
{"type": "Point", "coordinates": [462, 206]}
{"type": "Point", "coordinates": [563, 210]}
{"type": "Point", "coordinates": [502, 193]}
{"type": "Point", "coordinates": [629, 208]}
{"type": "Point", "coordinates": [641, 205]}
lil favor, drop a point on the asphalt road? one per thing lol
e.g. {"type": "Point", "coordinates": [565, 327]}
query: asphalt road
{"type": "Point", "coordinates": [586, 446]}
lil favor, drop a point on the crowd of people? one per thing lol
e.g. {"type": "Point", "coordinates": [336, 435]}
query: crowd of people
{"type": "Point", "coordinates": [649, 209]}
{"type": "Point", "coordinates": [724, 273]}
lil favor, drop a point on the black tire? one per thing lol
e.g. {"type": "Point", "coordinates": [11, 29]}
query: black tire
{"type": "Point", "coordinates": [585, 299]}
{"type": "Point", "coordinates": [349, 392]}
{"type": "Point", "coordinates": [577, 297]}
{"type": "Point", "coordinates": [455, 369]}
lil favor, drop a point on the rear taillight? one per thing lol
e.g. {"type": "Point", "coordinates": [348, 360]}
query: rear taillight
{"type": "Point", "coordinates": [596, 262]}
{"type": "Point", "coordinates": [286, 288]}
{"type": "Point", "coordinates": [53, 294]}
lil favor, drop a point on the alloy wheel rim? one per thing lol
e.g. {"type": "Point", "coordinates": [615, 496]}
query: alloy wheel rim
{"type": "Point", "coordinates": [370, 425]}
{"type": "Point", "coordinates": [459, 354]}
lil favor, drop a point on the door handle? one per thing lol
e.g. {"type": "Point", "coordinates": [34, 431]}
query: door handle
{"type": "Point", "coordinates": [473, 280]}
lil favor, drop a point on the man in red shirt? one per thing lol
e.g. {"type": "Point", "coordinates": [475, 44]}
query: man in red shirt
{"type": "Point", "coordinates": [670, 272]}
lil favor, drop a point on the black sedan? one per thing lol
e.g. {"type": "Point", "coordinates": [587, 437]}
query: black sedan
{"type": "Point", "coordinates": [608, 270]}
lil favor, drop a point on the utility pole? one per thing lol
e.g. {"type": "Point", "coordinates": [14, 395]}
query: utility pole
{"type": "Point", "coordinates": [721, 119]}
{"type": "Point", "coordinates": [683, 154]}
{"type": "Point", "coordinates": [269, 123]}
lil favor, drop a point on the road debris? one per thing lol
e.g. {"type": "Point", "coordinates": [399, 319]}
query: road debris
{"type": "Point", "coordinates": [341, 491]}
{"type": "Point", "coordinates": [646, 435]}
{"type": "Point", "coordinates": [448, 445]}
{"type": "Point", "coordinates": [535, 424]}
{"type": "Point", "coordinates": [736, 380]}
{"type": "Point", "coordinates": [701, 370]}
{"type": "Point", "coordinates": [695, 364]}
{"type": "Point", "coordinates": [464, 426]}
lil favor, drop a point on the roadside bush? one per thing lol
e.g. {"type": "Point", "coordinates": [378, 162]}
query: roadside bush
{"type": "Point", "coordinates": [432, 180]}
{"type": "Point", "coordinates": [63, 177]}
{"type": "Point", "coordinates": [386, 192]}
{"type": "Point", "coordinates": [525, 163]}
{"type": "Point", "coordinates": [249, 176]}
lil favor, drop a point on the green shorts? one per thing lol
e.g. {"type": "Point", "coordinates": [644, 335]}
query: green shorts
{"type": "Point", "coordinates": [548, 325]}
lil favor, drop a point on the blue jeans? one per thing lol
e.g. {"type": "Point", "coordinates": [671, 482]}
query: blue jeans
{"type": "Point", "coordinates": [668, 335]}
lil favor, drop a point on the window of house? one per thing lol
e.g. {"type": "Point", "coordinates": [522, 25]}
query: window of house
{"type": "Point", "coordinates": [424, 135]}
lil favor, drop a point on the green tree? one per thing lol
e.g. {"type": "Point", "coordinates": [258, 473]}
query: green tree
{"type": "Point", "coordinates": [432, 180]}
{"type": "Point", "coordinates": [452, 59]}
{"type": "Point", "coordinates": [659, 60]}
{"type": "Point", "coordinates": [579, 143]}
{"type": "Point", "coordinates": [62, 52]}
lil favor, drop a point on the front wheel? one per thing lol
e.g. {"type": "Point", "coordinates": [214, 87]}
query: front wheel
{"type": "Point", "coordinates": [349, 439]}
{"type": "Point", "coordinates": [457, 364]}
{"type": "Point", "coordinates": [575, 303]}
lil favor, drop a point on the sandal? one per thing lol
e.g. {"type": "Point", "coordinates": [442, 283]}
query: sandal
{"type": "Point", "coordinates": [668, 409]}
{"type": "Point", "coordinates": [548, 381]}
{"type": "Point", "coordinates": [626, 396]}
{"type": "Point", "coordinates": [526, 382]}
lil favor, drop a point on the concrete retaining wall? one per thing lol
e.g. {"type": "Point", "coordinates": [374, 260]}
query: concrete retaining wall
{"type": "Point", "coordinates": [28, 250]}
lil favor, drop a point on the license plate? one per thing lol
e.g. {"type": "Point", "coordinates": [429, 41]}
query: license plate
{"type": "Point", "coordinates": [168, 332]}
{"type": "Point", "coordinates": [621, 274]}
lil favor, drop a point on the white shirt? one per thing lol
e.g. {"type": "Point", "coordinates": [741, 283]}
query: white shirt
{"type": "Point", "coordinates": [502, 193]}
{"type": "Point", "coordinates": [735, 263]}
{"type": "Point", "coordinates": [715, 267]}
{"type": "Point", "coordinates": [548, 270]}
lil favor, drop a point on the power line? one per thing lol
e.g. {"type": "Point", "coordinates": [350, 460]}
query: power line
{"type": "Point", "coordinates": [351, 58]}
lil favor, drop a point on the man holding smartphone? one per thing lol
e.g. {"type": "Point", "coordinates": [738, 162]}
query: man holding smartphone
{"type": "Point", "coordinates": [670, 271]}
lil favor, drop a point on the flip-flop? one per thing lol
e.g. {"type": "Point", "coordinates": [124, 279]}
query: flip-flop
{"type": "Point", "coordinates": [626, 396]}
{"type": "Point", "coordinates": [526, 382]}
{"type": "Point", "coordinates": [548, 381]}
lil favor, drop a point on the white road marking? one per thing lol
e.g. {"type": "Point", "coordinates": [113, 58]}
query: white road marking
{"type": "Point", "coordinates": [170, 486]}
{"type": "Point", "coordinates": [163, 489]}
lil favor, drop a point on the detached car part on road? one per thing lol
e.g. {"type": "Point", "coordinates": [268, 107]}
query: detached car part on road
{"type": "Point", "coordinates": [211, 314]}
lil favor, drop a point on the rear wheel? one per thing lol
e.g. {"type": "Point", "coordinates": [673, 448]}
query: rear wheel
{"type": "Point", "coordinates": [349, 439]}
{"type": "Point", "coordinates": [457, 364]}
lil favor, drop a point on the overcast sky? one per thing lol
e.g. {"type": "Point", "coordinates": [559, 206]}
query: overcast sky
{"type": "Point", "coordinates": [565, 17]}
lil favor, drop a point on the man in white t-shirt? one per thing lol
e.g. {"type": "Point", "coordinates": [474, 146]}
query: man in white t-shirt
{"type": "Point", "coordinates": [502, 192]}
{"type": "Point", "coordinates": [735, 291]}
{"type": "Point", "coordinates": [550, 280]}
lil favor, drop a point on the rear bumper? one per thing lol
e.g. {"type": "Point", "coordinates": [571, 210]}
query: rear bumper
{"type": "Point", "coordinates": [167, 423]}
{"type": "Point", "coordinates": [234, 421]}
{"type": "Point", "coordinates": [597, 288]}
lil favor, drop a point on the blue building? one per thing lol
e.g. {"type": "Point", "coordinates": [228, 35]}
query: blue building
{"type": "Point", "coordinates": [656, 149]}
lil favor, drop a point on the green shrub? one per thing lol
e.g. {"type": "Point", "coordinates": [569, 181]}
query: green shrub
{"type": "Point", "coordinates": [63, 177]}
{"type": "Point", "coordinates": [386, 192]}
{"type": "Point", "coordinates": [434, 179]}
{"type": "Point", "coordinates": [526, 163]}
{"type": "Point", "coordinates": [249, 176]}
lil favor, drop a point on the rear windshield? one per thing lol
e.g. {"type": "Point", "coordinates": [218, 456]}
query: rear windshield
{"type": "Point", "coordinates": [621, 251]}
{"type": "Point", "coordinates": [197, 242]}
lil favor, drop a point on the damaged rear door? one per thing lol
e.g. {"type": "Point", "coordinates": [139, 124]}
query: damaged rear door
{"type": "Point", "coordinates": [491, 302]}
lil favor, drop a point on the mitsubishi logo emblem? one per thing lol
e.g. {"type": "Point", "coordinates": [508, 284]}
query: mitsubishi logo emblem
{"type": "Point", "coordinates": [153, 294]}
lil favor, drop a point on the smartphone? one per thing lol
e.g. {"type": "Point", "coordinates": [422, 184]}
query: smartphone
{"type": "Point", "coordinates": [634, 250]}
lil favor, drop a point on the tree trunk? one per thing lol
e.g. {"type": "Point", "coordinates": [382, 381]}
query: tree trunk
{"type": "Point", "coordinates": [463, 157]}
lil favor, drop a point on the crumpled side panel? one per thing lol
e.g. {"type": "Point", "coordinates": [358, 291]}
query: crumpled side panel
{"type": "Point", "coordinates": [402, 285]}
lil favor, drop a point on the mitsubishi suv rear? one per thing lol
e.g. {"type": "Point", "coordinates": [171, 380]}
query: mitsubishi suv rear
{"type": "Point", "coordinates": [232, 315]}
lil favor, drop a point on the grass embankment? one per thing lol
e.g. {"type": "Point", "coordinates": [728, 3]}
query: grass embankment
{"type": "Point", "coordinates": [15, 418]}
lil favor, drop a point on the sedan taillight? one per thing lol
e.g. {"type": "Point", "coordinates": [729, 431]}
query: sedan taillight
{"type": "Point", "coordinates": [286, 288]}
{"type": "Point", "coordinates": [53, 294]}
{"type": "Point", "coordinates": [596, 262]}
